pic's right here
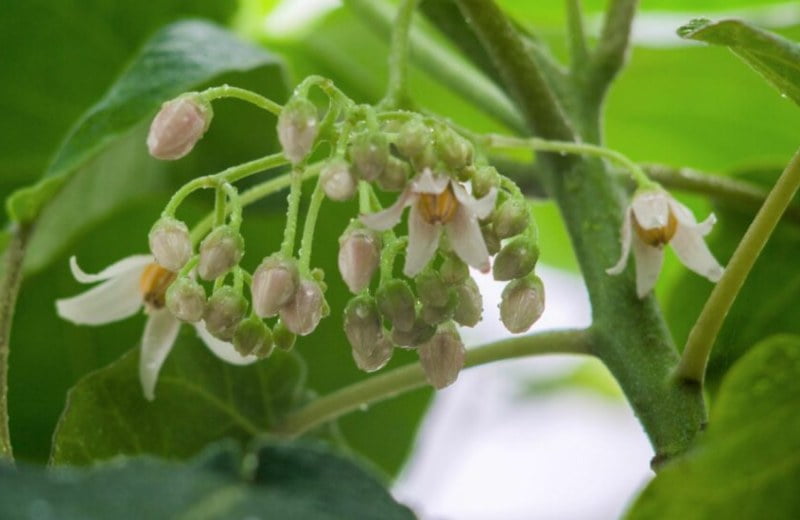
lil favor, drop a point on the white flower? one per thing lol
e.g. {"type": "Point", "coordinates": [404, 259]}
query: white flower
{"type": "Point", "coordinates": [128, 285]}
{"type": "Point", "coordinates": [658, 219]}
{"type": "Point", "coordinates": [438, 202]}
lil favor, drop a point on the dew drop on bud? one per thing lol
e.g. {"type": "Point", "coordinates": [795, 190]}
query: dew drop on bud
{"type": "Point", "coordinates": [337, 180]}
{"type": "Point", "coordinates": [274, 284]}
{"type": "Point", "coordinates": [303, 312]}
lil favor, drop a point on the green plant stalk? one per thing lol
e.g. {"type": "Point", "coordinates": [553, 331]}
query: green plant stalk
{"type": "Point", "coordinates": [226, 91]}
{"type": "Point", "coordinates": [292, 213]}
{"type": "Point", "coordinates": [702, 336]}
{"type": "Point", "coordinates": [396, 94]}
{"type": "Point", "coordinates": [611, 51]}
{"type": "Point", "coordinates": [629, 334]}
{"type": "Point", "coordinates": [9, 289]}
{"type": "Point", "coordinates": [307, 240]}
{"type": "Point", "coordinates": [390, 384]}
{"type": "Point", "coordinates": [578, 50]}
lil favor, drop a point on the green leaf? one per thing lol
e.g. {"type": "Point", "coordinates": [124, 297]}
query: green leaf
{"type": "Point", "coordinates": [746, 465]}
{"type": "Point", "coordinates": [775, 58]}
{"type": "Point", "coordinates": [199, 399]}
{"type": "Point", "coordinates": [281, 480]}
{"type": "Point", "coordinates": [177, 58]}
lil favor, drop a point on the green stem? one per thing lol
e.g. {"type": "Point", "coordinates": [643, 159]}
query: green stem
{"type": "Point", "coordinates": [307, 241]}
{"type": "Point", "coordinates": [226, 91]}
{"type": "Point", "coordinates": [388, 255]}
{"type": "Point", "coordinates": [387, 385]}
{"type": "Point", "coordinates": [702, 336]}
{"type": "Point", "coordinates": [579, 52]}
{"type": "Point", "coordinates": [396, 95]}
{"type": "Point", "coordinates": [293, 211]}
{"type": "Point", "coordinates": [219, 206]}
{"type": "Point", "coordinates": [611, 51]}
{"type": "Point", "coordinates": [9, 289]}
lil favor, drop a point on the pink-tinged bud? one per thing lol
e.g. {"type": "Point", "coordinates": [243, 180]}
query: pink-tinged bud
{"type": "Point", "coordinates": [397, 303]}
{"type": "Point", "coordinates": [337, 180]}
{"type": "Point", "coordinates": [359, 256]}
{"type": "Point", "coordinates": [510, 218]}
{"type": "Point", "coordinates": [179, 124]}
{"type": "Point", "coordinates": [376, 357]}
{"type": "Point", "coordinates": [395, 175]}
{"type": "Point", "coordinates": [362, 325]}
{"type": "Point", "coordinates": [516, 259]}
{"type": "Point", "coordinates": [274, 284]}
{"type": "Point", "coordinates": [284, 338]}
{"type": "Point", "coordinates": [170, 243]}
{"type": "Point", "coordinates": [252, 336]}
{"type": "Point", "coordinates": [186, 300]}
{"type": "Point", "coordinates": [225, 309]}
{"type": "Point", "coordinates": [298, 127]}
{"type": "Point", "coordinates": [220, 251]}
{"type": "Point", "coordinates": [442, 357]}
{"type": "Point", "coordinates": [305, 310]}
{"type": "Point", "coordinates": [470, 303]}
{"type": "Point", "coordinates": [522, 303]}
{"type": "Point", "coordinates": [369, 152]}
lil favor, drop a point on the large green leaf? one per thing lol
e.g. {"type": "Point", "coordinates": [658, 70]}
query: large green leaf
{"type": "Point", "coordinates": [746, 465]}
{"type": "Point", "coordinates": [276, 480]}
{"type": "Point", "coordinates": [774, 57]}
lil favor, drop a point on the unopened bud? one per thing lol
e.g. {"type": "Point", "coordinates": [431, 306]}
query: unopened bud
{"type": "Point", "coordinates": [516, 259]}
{"type": "Point", "coordinates": [454, 150]}
{"type": "Point", "coordinates": [490, 239]}
{"type": "Point", "coordinates": [362, 325]}
{"type": "Point", "coordinates": [453, 270]}
{"type": "Point", "coordinates": [179, 124]}
{"type": "Point", "coordinates": [376, 357]}
{"type": "Point", "coordinates": [510, 218]}
{"type": "Point", "coordinates": [220, 251]}
{"type": "Point", "coordinates": [432, 289]}
{"type": "Point", "coordinates": [274, 284]}
{"type": "Point", "coordinates": [359, 256]}
{"type": "Point", "coordinates": [283, 338]}
{"type": "Point", "coordinates": [297, 129]}
{"type": "Point", "coordinates": [395, 175]}
{"type": "Point", "coordinates": [369, 152]}
{"type": "Point", "coordinates": [419, 333]}
{"type": "Point", "coordinates": [337, 180]}
{"type": "Point", "coordinates": [412, 139]}
{"type": "Point", "coordinates": [186, 300]}
{"type": "Point", "coordinates": [522, 303]}
{"type": "Point", "coordinates": [224, 311]}
{"type": "Point", "coordinates": [470, 303]}
{"type": "Point", "coordinates": [252, 336]}
{"type": "Point", "coordinates": [396, 303]}
{"type": "Point", "coordinates": [434, 315]}
{"type": "Point", "coordinates": [483, 180]}
{"type": "Point", "coordinates": [305, 310]}
{"type": "Point", "coordinates": [170, 243]}
{"type": "Point", "coordinates": [442, 357]}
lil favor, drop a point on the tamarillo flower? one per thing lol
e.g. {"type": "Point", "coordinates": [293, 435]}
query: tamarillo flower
{"type": "Point", "coordinates": [133, 283]}
{"type": "Point", "coordinates": [178, 126]}
{"type": "Point", "coordinates": [437, 202]}
{"type": "Point", "coordinates": [654, 219]}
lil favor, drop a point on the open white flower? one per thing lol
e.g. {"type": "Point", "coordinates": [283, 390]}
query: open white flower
{"type": "Point", "coordinates": [438, 202]}
{"type": "Point", "coordinates": [654, 219]}
{"type": "Point", "coordinates": [128, 285]}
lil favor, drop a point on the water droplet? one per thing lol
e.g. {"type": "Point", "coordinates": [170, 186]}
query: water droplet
{"type": "Point", "coordinates": [363, 407]}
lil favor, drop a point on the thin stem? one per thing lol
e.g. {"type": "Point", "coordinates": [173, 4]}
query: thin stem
{"type": "Point", "coordinates": [398, 56]}
{"type": "Point", "coordinates": [390, 384]}
{"type": "Point", "coordinates": [235, 210]}
{"type": "Point", "coordinates": [307, 241]}
{"type": "Point", "coordinates": [226, 91]}
{"type": "Point", "coordinates": [219, 206]}
{"type": "Point", "coordinates": [612, 48]}
{"type": "Point", "coordinates": [692, 366]}
{"type": "Point", "coordinates": [579, 52]}
{"type": "Point", "coordinates": [388, 255]}
{"type": "Point", "coordinates": [293, 211]}
{"type": "Point", "coordinates": [9, 289]}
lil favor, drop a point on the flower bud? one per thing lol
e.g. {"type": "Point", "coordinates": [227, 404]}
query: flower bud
{"type": "Point", "coordinates": [274, 284]}
{"type": "Point", "coordinates": [305, 310]}
{"type": "Point", "coordinates": [186, 300]}
{"type": "Point", "coordinates": [170, 243]}
{"type": "Point", "coordinates": [369, 152]}
{"type": "Point", "coordinates": [337, 180]}
{"type": "Point", "coordinates": [470, 303]}
{"type": "Point", "coordinates": [419, 333]}
{"type": "Point", "coordinates": [432, 289]}
{"type": "Point", "coordinates": [362, 325]}
{"type": "Point", "coordinates": [485, 178]}
{"type": "Point", "coordinates": [510, 218]}
{"type": "Point", "coordinates": [376, 357]}
{"type": "Point", "coordinates": [359, 256]}
{"type": "Point", "coordinates": [442, 357]}
{"type": "Point", "coordinates": [454, 150]}
{"type": "Point", "coordinates": [179, 124]}
{"type": "Point", "coordinates": [252, 336]}
{"type": "Point", "coordinates": [284, 338]}
{"type": "Point", "coordinates": [396, 303]}
{"type": "Point", "coordinates": [225, 309]}
{"type": "Point", "coordinates": [490, 239]}
{"type": "Point", "coordinates": [395, 175]}
{"type": "Point", "coordinates": [434, 315]}
{"type": "Point", "coordinates": [516, 259]}
{"type": "Point", "coordinates": [412, 139]}
{"type": "Point", "coordinates": [298, 127]}
{"type": "Point", "coordinates": [220, 251]}
{"type": "Point", "coordinates": [522, 303]}
{"type": "Point", "coordinates": [453, 270]}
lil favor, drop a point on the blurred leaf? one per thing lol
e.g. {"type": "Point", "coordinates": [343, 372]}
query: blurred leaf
{"type": "Point", "coordinates": [775, 58]}
{"type": "Point", "coordinates": [283, 480]}
{"type": "Point", "coordinates": [591, 377]}
{"type": "Point", "coordinates": [745, 466]}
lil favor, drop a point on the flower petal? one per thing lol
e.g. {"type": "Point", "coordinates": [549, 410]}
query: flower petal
{"type": "Point", "coordinates": [648, 266]}
{"type": "Point", "coordinates": [423, 239]}
{"type": "Point", "coordinates": [480, 207]}
{"type": "Point", "coordinates": [651, 208]}
{"type": "Point", "coordinates": [685, 217]}
{"type": "Point", "coordinates": [110, 301]}
{"type": "Point", "coordinates": [388, 218]}
{"type": "Point", "coordinates": [427, 182]}
{"type": "Point", "coordinates": [625, 241]}
{"type": "Point", "coordinates": [222, 349]}
{"type": "Point", "coordinates": [126, 265]}
{"type": "Point", "coordinates": [466, 239]}
{"type": "Point", "coordinates": [693, 251]}
{"type": "Point", "coordinates": [159, 336]}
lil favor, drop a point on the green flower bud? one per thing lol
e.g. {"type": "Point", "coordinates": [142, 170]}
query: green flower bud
{"type": "Point", "coordinates": [170, 243]}
{"type": "Point", "coordinates": [298, 127]}
{"type": "Point", "coordinates": [442, 357]}
{"type": "Point", "coordinates": [522, 303]}
{"type": "Point", "coordinates": [453, 270]}
{"type": "Point", "coordinates": [369, 152]}
{"type": "Point", "coordinates": [516, 259]}
{"type": "Point", "coordinates": [419, 333]}
{"type": "Point", "coordinates": [510, 218]}
{"type": "Point", "coordinates": [274, 284]}
{"type": "Point", "coordinates": [283, 338]}
{"type": "Point", "coordinates": [395, 175]}
{"type": "Point", "coordinates": [470, 303]}
{"type": "Point", "coordinates": [220, 251]}
{"type": "Point", "coordinates": [337, 180]}
{"type": "Point", "coordinates": [362, 325]}
{"type": "Point", "coordinates": [455, 151]}
{"type": "Point", "coordinates": [252, 336]}
{"type": "Point", "coordinates": [432, 289]}
{"type": "Point", "coordinates": [412, 139]}
{"type": "Point", "coordinates": [490, 239]}
{"type": "Point", "coordinates": [224, 310]}
{"type": "Point", "coordinates": [396, 303]}
{"type": "Point", "coordinates": [186, 300]}
{"type": "Point", "coordinates": [483, 180]}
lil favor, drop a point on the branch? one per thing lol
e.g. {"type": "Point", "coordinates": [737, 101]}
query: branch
{"type": "Point", "coordinates": [407, 378]}
{"type": "Point", "coordinates": [612, 49]}
{"type": "Point", "coordinates": [579, 52]}
{"type": "Point", "coordinates": [396, 95]}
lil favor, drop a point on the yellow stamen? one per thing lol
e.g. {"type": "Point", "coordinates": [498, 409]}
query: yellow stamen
{"type": "Point", "coordinates": [153, 285]}
{"type": "Point", "coordinates": [439, 208]}
{"type": "Point", "coordinates": [657, 237]}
